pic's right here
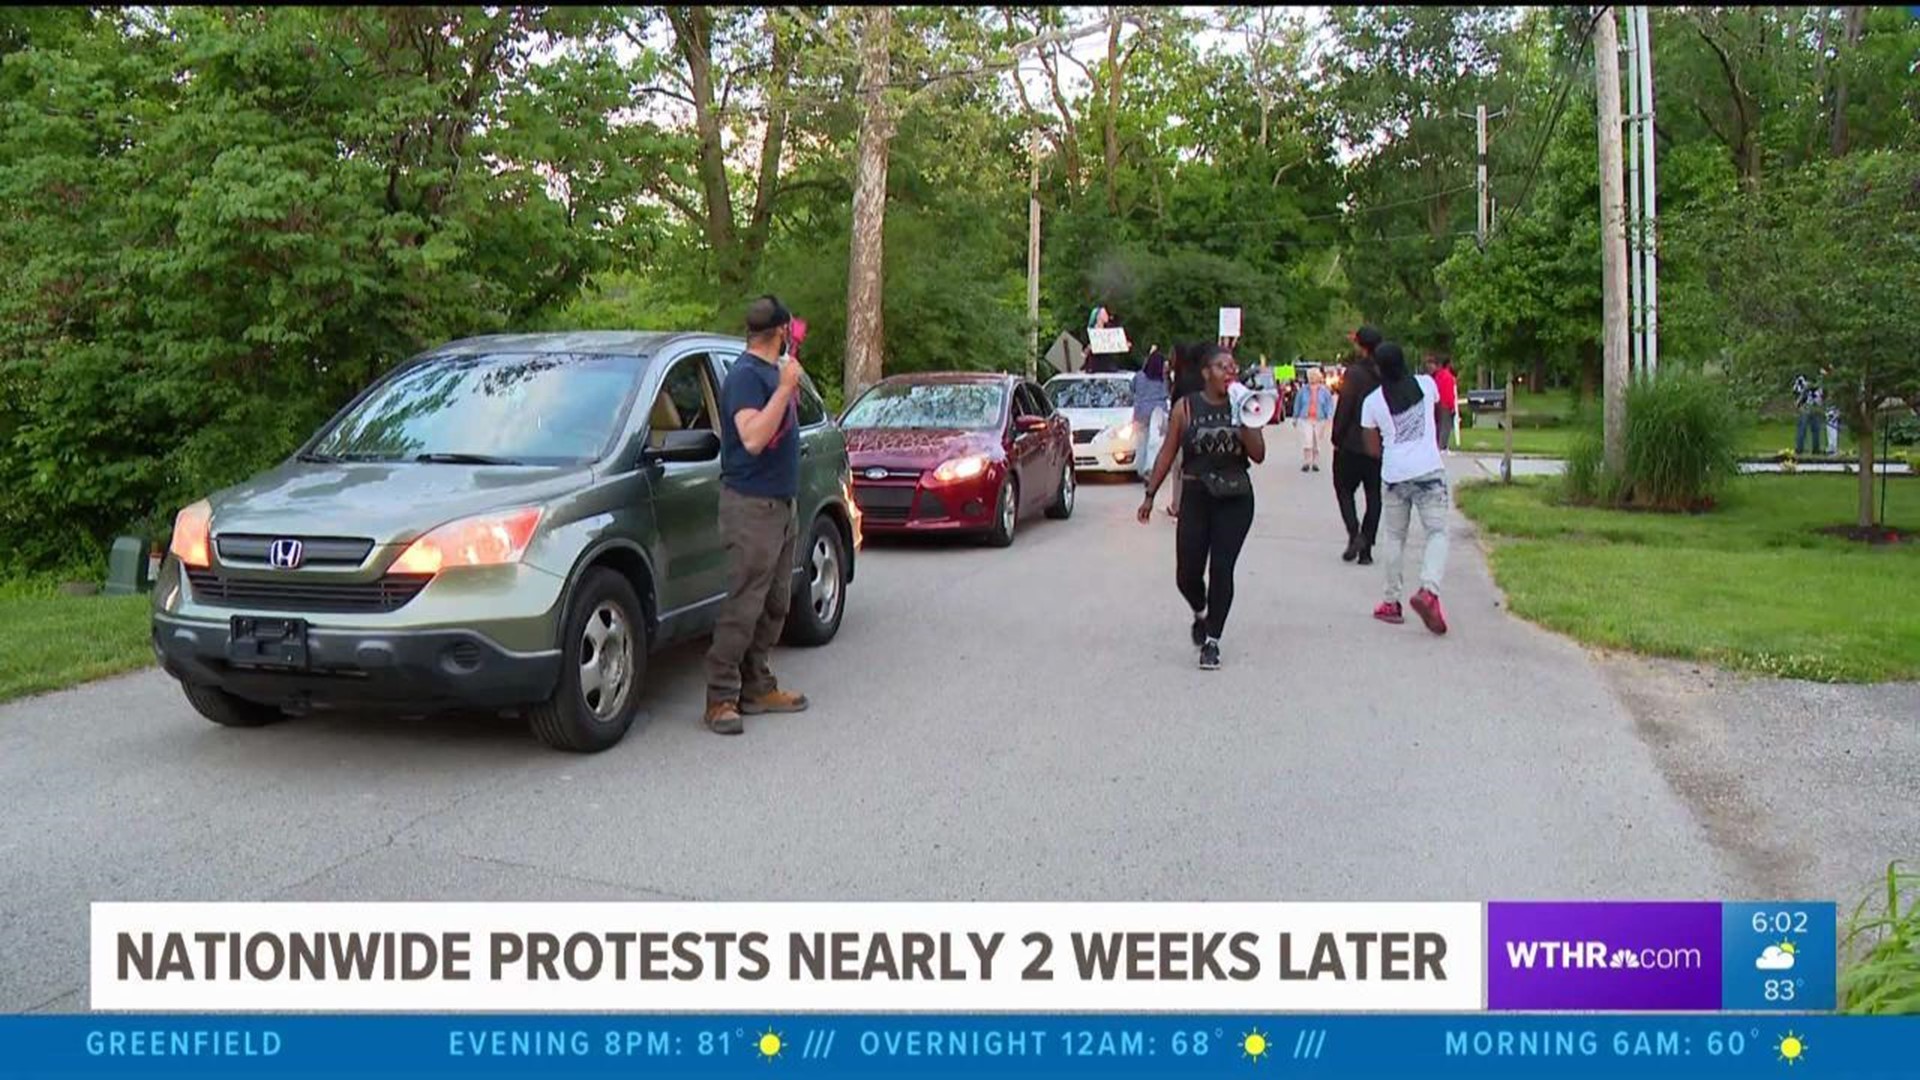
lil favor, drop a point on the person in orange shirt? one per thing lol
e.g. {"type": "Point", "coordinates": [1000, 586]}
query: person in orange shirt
{"type": "Point", "coordinates": [1312, 412]}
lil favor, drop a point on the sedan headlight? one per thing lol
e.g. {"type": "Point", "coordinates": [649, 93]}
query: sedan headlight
{"type": "Point", "coordinates": [960, 468]}
{"type": "Point", "coordinates": [483, 540]}
{"type": "Point", "coordinates": [1120, 432]}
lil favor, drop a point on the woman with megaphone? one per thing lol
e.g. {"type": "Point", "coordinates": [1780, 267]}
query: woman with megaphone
{"type": "Point", "coordinates": [1216, 437]}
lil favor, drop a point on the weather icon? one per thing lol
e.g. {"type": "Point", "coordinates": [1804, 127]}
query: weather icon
{"type": "Point", "coordinates": [1777, 957]}
{"type": "Point", "coordinates": [1791, 1048]}
{"type": "Point", "coordinates": [769, 1045]}
{"type": "Point", "coordinates": [1255, 1045]}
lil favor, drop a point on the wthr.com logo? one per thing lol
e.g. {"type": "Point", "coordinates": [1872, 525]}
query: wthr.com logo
{"type": "Point", "coordinates": [1587, 955]}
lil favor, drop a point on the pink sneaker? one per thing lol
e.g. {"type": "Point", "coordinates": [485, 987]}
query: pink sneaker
{"type": "Point", "coordinates": [1427, 606]}
{"type": "Point", "coordinates": [1389, 612]}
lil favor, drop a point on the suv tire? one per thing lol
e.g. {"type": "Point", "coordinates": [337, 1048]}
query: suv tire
{"type": "Point", "coordinates": [1062, 506]}
{"type": "Point", "coordinates": [1006, 513]}
{"type": "Point", "coordinates": [603, 663]}
{"type": "Point", "coordinates": [228, 711]}
{"type": "Point", "coordinates": [822, 585]}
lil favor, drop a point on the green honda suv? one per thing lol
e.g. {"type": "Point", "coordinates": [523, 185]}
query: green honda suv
{"type": "Point", "coordinates": [512, 522]}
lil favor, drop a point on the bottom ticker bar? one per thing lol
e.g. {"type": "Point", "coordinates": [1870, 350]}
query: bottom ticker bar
{"type": "Point", "coordinates": [1055, 1045]}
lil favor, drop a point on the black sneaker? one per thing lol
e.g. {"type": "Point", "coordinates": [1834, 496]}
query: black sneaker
{"type": "Point", "coordinates": [1210, 656]}
{"type": "Point", "coordinates": [1353, 549]}
{"type": "Point", "coordinates": [1199, 630]}
{"type": "Point", "coordinates": [1366, 555]}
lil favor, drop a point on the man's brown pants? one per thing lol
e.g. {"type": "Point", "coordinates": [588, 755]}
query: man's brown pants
{"type": "Point", "coordinates": [759, 534]}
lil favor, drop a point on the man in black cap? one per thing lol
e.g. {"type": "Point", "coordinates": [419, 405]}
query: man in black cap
{"type": "Point", "coordinates": [1353, 467]}
{"type": "Point", "coordinates": [759, 475]}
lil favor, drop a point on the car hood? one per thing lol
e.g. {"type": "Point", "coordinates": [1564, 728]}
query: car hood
{"type": "Point", "coordinates": [913, 448]}
{"type": "Point", "coordinates": [389, 503]}
{"type": "Point", "coordinates": [1099, 419]}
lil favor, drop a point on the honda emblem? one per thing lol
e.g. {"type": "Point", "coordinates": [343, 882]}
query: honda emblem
{"type": "Point", "coordinates": [285, 554]}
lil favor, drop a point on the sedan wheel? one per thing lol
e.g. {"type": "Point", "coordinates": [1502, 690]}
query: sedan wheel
{"type": "Point", "coordinates": [1062, 506]}
{"type": "Point", "coordinates": [1006, 514]}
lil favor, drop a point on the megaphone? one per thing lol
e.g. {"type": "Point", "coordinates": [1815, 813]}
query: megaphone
{"type": "Point", "coordinates": [1252, 408]}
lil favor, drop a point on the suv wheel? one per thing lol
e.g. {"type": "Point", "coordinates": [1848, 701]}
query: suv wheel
{"type": "Point", "coordinates": [228, 711]}
{"type": "Point", "coordinates": [820, 593]}
{"type": "Point", "coordinates": [603, 662]}
{"type": "Point", "coordinates": [1062, 506]}
{"type": "Point", "coordinates": [1005, 514]}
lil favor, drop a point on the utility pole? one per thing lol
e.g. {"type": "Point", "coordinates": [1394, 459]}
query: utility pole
{"type": "Point", "coordinates": [1649, 244]}
{"type": "Point", "coordinates": [1480, 178]}
{"type": "Point", "coordinates": [1613, 239]}
{"type": "Point", "coordinates": [1033, 257]}
{"type": "Point", "coordinates": [1636, 323]}
{"type": "Point", "coordinates": [1483, 196]}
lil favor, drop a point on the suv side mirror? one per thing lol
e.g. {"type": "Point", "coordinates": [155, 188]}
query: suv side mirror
{"type": "Point", "coordinates": [702, 444]}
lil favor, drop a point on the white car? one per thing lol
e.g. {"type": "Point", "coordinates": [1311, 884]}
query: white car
{"type": "Point", "coordinates": [1100, 410]}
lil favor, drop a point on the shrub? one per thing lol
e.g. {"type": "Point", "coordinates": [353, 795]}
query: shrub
{"type": "Point", "coordinates": [1881, 952]}
{"type": "Point", "coordinates": [1682, 440]}
{"type": "Point", "coordinates": [1585, 461]}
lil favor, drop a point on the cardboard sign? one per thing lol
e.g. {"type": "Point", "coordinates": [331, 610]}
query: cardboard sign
{"type": "Point", "coordinates": [1108, 339]}
{"type": "Point", "coordinates": [1229, 322]}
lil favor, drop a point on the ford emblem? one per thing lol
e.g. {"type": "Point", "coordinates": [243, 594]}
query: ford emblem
{"type": "Point", "coordinates": [876, 474]}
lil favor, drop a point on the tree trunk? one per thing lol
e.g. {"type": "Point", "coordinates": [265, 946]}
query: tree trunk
{"type": "Point", "coordinates": [865, 250]}
{"type": "Point", "coordinates": [1863, 433]}
{"type": "Point", "coordinates": [693, 35]}
{"type": "Point", "coordinates": [1113, 113]}
{"type": "Point", "coordinates": [1537, 379]}
{"type": "Point", "coordinates": [760, 226]}
{"type": "Point", "coordinates": [1837, 133]}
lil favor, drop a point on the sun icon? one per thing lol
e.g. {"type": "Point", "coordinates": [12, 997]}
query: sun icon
{"type": "Point", "coordinates": [769, 1045]}
{"type": "Point", "coordinates": [1788, 947]}
{"type": "Point", "coordinates": [1791, 1048]}
{"type": "Point", "coordinates": [1255, 1045]}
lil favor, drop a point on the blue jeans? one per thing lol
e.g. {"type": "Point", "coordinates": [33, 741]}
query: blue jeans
{"type": "Point", "coordinates": [1812, 423]}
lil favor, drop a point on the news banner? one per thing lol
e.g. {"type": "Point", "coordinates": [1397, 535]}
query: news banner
{"type": "Point", "coordinates": [1575, 988]}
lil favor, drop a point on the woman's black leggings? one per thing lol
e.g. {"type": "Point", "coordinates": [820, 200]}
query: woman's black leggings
{"type": "Point", "coordinates": [1206, 545]}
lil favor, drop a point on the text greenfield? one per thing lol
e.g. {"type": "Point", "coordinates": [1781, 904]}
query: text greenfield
{"type": "Point", "coordinates": [802, 956]}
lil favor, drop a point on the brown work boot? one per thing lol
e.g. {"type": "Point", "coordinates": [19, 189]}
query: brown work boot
{"type": "Point", "coordinates": [723, 718]}
{"type": "Point", "coordinates": [774, 701]}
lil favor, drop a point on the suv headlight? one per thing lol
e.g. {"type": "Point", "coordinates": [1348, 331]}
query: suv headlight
{"type": "Point", "coordinates": [190, 534]}
{"type": "Point", "coordinates": [482, 540]}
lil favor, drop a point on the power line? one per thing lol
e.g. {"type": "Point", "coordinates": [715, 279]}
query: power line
{"type": "Point", "coordinates": [1553, 123]}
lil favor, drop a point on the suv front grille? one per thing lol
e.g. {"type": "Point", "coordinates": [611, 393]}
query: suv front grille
{"type": "Point", "coordinates": [389, 593]}
{"type": "Point", "coordinates": [316, 550]}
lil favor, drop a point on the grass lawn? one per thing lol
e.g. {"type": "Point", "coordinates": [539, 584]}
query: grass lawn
{"type": "Point", "coordinates": [1555, 407]}
{"type": "Point", "coordinates": [1751, 585]}
{"type": "Point", "coordinates": [49, 641]}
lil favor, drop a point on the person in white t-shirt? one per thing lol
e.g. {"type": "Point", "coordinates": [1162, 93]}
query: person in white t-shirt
{"type": "Point", "coordinates": [1397, 421]}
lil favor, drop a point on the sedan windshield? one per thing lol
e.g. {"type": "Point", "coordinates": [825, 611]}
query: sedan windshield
{"type": "Point", "coordinates": [1091, 393]}
{"type": "Point", "coordinates": [966, 406]}
{"type": "Point", "coordinates": [494, 409]}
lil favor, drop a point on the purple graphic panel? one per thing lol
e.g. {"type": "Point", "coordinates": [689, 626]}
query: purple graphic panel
{"type": "Point", "coordinates": [1604, 955]}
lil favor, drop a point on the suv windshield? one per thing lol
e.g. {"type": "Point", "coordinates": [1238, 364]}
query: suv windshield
{"type": "Point", "coordinates": [499, 408]}
{"type": "Point", "coordinates": [968, 406]}
{"type": "Point", "coordinates": [1091, 393]}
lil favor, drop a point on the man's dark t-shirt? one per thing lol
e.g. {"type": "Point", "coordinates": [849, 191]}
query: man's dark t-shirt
{"type": "Point", "coordinates": [1362, 378]}
{"type": "Point", "coordinates": [773, 473]}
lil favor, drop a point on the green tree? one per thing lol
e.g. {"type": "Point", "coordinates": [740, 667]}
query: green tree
{"type": "Point", "coordinates": [1816, 272]}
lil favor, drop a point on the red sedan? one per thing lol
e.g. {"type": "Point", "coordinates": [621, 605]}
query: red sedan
{"type": "Point", "coordinates": [969, 453]}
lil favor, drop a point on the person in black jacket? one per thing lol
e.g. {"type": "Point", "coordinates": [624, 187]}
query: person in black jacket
{"type": "Point", "coordinates": [1353, 467]}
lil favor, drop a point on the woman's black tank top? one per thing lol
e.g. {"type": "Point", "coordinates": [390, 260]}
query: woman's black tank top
{"type": "Point", "coordinates": [1211, 442]}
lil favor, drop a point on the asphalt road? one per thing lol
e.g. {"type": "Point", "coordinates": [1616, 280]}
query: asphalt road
{"type": "Point", "coordinates": [992, 724]}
